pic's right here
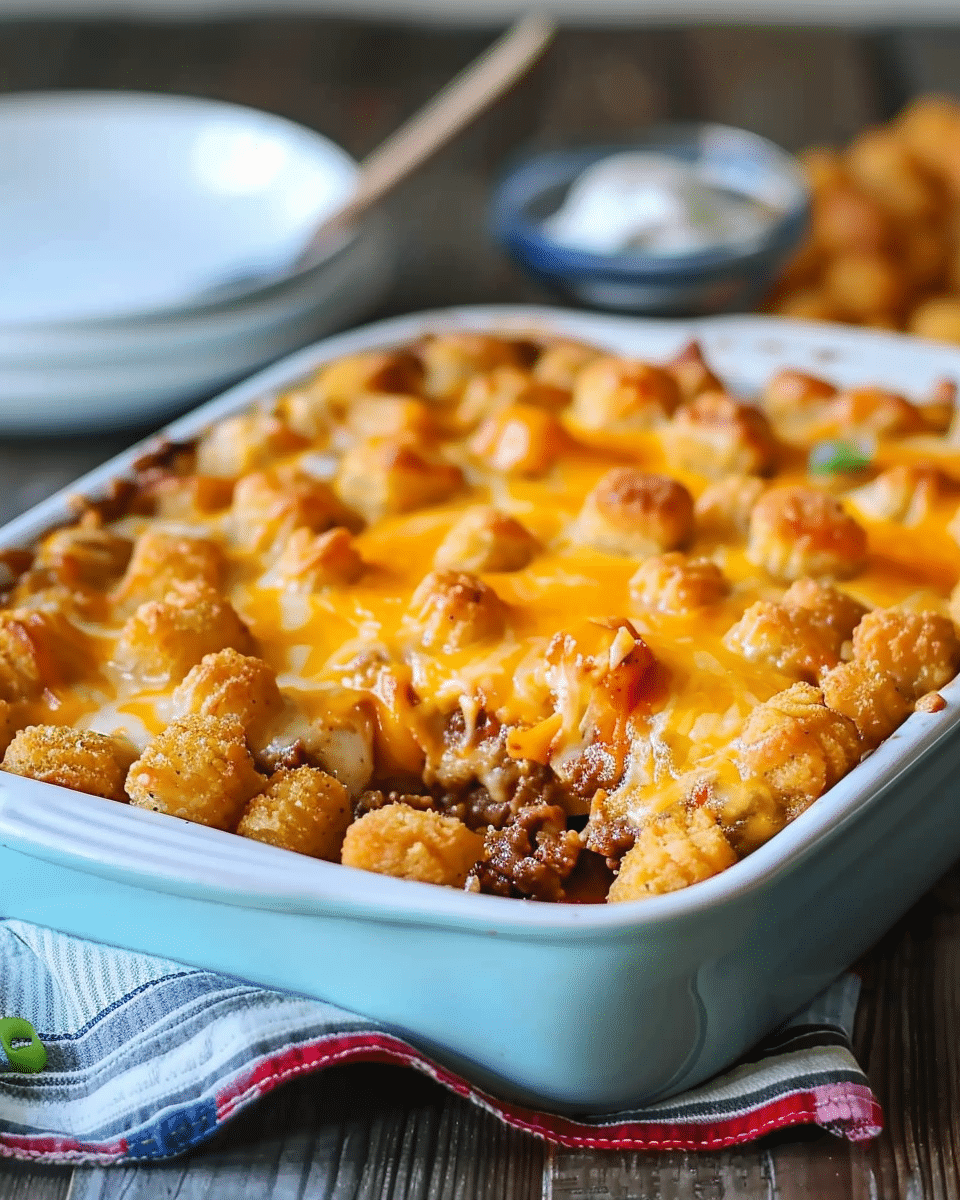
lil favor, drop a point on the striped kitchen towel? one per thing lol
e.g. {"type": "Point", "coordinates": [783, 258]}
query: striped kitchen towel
{"type": "Point", "coordinates": [147, 1058]}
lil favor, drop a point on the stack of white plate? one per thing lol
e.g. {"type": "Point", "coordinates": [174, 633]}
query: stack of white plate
{"type": "Point", "coordinates": [145, 244]}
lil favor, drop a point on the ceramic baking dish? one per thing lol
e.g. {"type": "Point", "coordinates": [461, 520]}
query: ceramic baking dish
{"type": "Point", "coordinates": [571, 1007]}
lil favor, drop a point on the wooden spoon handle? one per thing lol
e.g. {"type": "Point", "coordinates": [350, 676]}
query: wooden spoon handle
{"type": "Point", "coordinates": [463, 98]}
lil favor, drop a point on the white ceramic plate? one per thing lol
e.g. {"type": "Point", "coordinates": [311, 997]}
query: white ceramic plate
{"type": "Point", "coordinates": [121, 204]}
{"type": "Point", "coordinates": [97, 381]}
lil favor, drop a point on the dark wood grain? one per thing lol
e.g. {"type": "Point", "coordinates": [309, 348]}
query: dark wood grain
{"type": "Point", "coordinates": [382, 1133]}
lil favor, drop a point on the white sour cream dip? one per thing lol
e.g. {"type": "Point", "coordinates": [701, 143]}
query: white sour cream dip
{"type": "Point", "coordinates": [654, 204]}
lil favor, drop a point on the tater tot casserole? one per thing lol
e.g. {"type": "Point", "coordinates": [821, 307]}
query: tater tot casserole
{"type": "Point", "coordinates": [508, 614]}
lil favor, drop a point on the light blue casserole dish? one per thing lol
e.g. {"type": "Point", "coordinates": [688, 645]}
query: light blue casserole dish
{"type": "Point", "coordinates": [572, 1008]}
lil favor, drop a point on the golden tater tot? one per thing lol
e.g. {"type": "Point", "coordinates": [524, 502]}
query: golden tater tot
{"type": "Point", "coordinates": [864, 284]}
{"type": "Point", "coordinates": [672, 851]}
{"type": "Point", "coordinates": [200, 769]}
{"type": "Point", "coordinates": [161, 559]}
{"type": "Point", "coordinates": [632, 513]}
{"type": "Point", "coordinates": [870, 698]}
{"type": "Point", "coordinates": [692, 373]}
{"type": "Point", "coordinates": [787, 638]}
{"type": "Point", "coordinates": [84, 555]}
{"type": "Point", "coordinates": [164, 638]}
{"type": "Point", "coordinates": [486, 540]}
{"type": "Point", "coordinates": [387, 476]}
{"type": "Point", "coordinates": [236, 445]}
{"type": "Point", "coordinates": [519, 440]}
{"type": "Point", "coordinates": [919, 650]}
{"type": "Point", "coordinates": [78, 759]}
{"type": "Point", "coordinates": [677, 584]}
{"type": "Point", "coordinates": [797, 531]}
{"type": "Point", "coordinates": [269, 505]}
{"type": "Point", "coordinates": [798, 746]}
{"type": "Point", "coordinates": [304, 810]}
{"type": "Point", "coordinates": [883, 165]}
{"type": "Point", "coordinates": [723, 508]}
{"type": "Point", "coordinates": [411, 843]}
{"type": "Point", "coordinates": [39, 650]}
{"type": "Point", "coordinates": [311, 561]}
{"type": "Point", "coordinates": [618, 396]}
{"type": "Point", "coordinates": [715, 435]}
{"type": "Point", "coordinates": [452, 609]}
{"type": "Point", "coordinates": [228, 684]}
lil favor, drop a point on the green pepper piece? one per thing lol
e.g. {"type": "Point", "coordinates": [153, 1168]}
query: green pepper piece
{"type": "Point", "coordinates": [27, 1059]}
{"type": "Point", "coordinates": [836, 458]}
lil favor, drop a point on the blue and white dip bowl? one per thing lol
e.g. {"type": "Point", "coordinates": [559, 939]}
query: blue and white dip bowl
{"type": "Point", "coordinates": [688, 219]}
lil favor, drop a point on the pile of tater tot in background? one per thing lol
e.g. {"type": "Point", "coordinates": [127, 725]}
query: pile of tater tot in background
{"type": "Point", "coordinates": [883, 247]}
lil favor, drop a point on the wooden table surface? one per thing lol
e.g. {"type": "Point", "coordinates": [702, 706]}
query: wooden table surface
{"type": "Point", "coordinates": [384, 1133]}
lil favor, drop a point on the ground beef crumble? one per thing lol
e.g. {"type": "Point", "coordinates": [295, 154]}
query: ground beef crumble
{"type": "Point", "coordinates": [529, 859]}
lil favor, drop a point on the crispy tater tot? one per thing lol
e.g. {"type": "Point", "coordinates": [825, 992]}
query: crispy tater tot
{"type": "Point", "coordinates": [875, 410]}
{"type": "Point", "coordinates": [236, 445]}
{"type": "Point", "coordinates": [789, 639]}
{"type": "Point", "coordinates": [864, 284]}
{"type": "Point", "coordinates": [883, 166]}
{"type": "Point", "coordinates": [385, 476]}
{"type": "Point", "coordinates": [391, 416]}
{"type": "Point", "coordinates": [164, 638]}
{"type": "Point", "coordinates": [519, 439]}
{"type": "Point", "coordinates": [410, 843]}
{"type": "Point", "coordinates": [562, 361]}
{"type": "Point", "coordinates": [337, 384]}
{"type": "Point", "coordinates": [200, 769]}
{"type": "Point", "coordinates": [39, 650]}
{"type": "Point", "coordinates": [834, 611]}
{"type": "Point", "coordinates": [715, 435]}
{"type": "Point", "coordinates": [269, 505]}
{"type": "Point", "coordinates": [904, 493]}
{"type": "Point", "coordinates": [790, 392]}
{"type": "Point", "coordinates": [619, 396]}
{"type": "Point", "coordinates": [84, 555]}
{"type": "Point", "coordinates": [870, 698]}
{"type": "Point", "coordinates": [486, 540]}
{"type": "Point", "coordinates": [675, 583]}
{"type": "Point", "coordinates": [723, 509]}
{"type": "Point", "coordinates": [453, 609]}
{"type": "Point", "coordinates": [797, 531]}
{"type": "Point", "coordinates": [798, 746]}
{"type": "Point", "coordinates": [451, 360]}
{"type": "Point", "coordinates": [919, 650]}
{"type": "Point", "coordinates": [311, 561]}
{"type": "Point", "coordinates": [633, 513]}
{"type": "Point", "coordinates": [228, 684]}
{"type": "Point", "coordinates": [78, 759]}
{"type": "Point", "coordinates": [672, 851]}
{"type": "Point", "coordinates": [162, 558]}
{"type": "Point", "coordinates": [843, 219]}
{"type": "Point", "coordinates": [692, 373]}
{"type": "Point", "coordinates": [304, 810]}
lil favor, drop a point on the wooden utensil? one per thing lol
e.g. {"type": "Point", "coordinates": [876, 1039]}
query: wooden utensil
{"type": "Point", "coordinates": [463, 99]}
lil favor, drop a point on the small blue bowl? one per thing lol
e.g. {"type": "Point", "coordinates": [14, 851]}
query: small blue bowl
{"type": "Point", "coordinates": [719, 279]}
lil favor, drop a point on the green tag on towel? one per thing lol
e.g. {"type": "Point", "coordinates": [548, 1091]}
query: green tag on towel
{"type": "Point", "coordinates": [22, 1046]}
